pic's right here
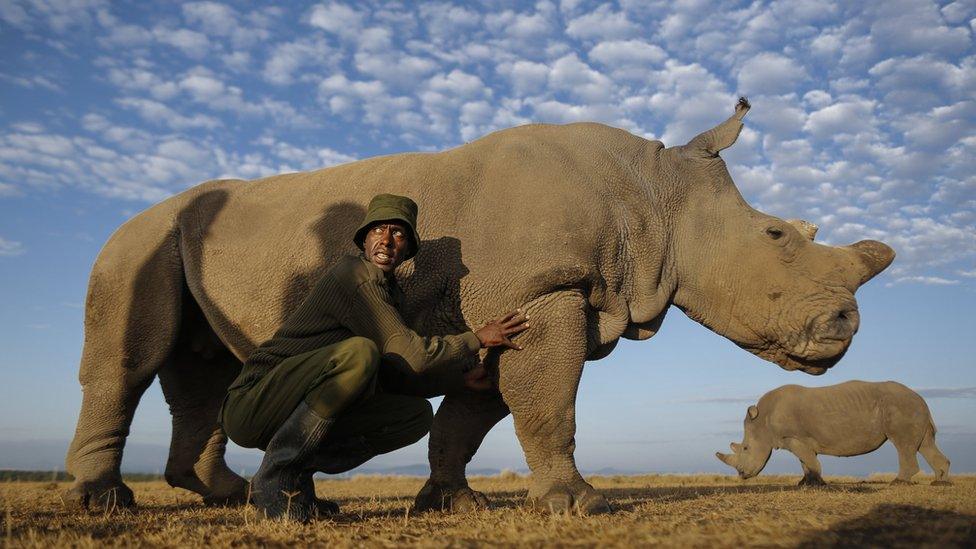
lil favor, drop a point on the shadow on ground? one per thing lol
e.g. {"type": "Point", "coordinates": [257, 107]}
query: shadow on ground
{"type": "Point", "coordinates": [628, 499]}
{"type": "Point", "coordinates": [889, 525]}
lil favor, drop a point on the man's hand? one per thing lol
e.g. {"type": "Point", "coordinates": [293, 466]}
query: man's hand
{"type": "Point", "coordinates": [478, 379]}
{"type": "Point", "coordinates": [497, 332]}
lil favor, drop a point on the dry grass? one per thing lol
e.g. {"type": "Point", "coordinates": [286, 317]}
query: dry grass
{"type": "Point", "coordinates": [701, 510]}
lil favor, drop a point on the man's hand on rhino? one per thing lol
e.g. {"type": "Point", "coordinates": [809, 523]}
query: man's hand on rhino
{"type": "Point", "coordinates": [497, 332]}
{"type": "Point", "coordinates": [478, 379]}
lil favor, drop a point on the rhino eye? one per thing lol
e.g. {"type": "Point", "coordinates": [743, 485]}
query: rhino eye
{"type": "Point", "coordinates": [774, 233]}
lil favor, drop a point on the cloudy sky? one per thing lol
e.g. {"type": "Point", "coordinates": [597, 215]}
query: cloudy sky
{"type": "Point", "coordinates": [863, 122]}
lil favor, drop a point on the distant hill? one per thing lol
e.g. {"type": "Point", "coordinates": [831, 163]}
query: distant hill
{"type": "Point", "coordinates": [47, 457]}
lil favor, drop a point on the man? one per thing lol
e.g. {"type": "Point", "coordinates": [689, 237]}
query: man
{"type": "Point", "coordinates": [309, 396]}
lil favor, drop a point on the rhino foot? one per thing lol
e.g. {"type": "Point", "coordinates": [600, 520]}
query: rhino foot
{"type": "Point", "coordinates": [456, 499]}
{"type": "Point", "coordinates": [941, 483]}
{"type": "Point", "coordinates": [812, 481]}
{"type": "Point", "coordinates": [104, 495]}
{"type": "Point", "coordinates": [563, 499]}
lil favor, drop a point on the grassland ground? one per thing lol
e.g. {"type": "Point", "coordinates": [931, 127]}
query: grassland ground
{"type": "Point", "coordinates": [667, 510]}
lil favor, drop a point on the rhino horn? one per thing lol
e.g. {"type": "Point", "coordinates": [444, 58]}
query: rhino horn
{"type": "Point", "coordinates": [807, 229]}
{"type": "Point", "coordinates": [736, 447]}
{"type": "Point", "coordinates": [726, 458]}
{"type": "Point", "coordinates": [874, 255]}
{"type": "Point", "coordinates": [722, 136]}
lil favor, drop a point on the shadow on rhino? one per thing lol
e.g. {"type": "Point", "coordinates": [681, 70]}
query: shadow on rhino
{"type": "Point", "coordinates": [594, 231]}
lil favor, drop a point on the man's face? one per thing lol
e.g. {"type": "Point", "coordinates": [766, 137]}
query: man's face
{"type": "Point", "coordinates": [386, 244]}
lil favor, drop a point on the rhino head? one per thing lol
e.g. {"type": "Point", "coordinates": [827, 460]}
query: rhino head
{"type": "Point", "coordinates": [759, 280]}
{"type": "Point", "coordinates": [750, 457]}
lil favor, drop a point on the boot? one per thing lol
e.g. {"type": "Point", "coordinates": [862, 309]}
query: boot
{"type": "Point", "coordinates": [323, 507]}
{"type": "Point", "coordinates": [340, 456]}
{"type": "Point", "coordinates": [333, 458]}
{"type": "Point", "coordinates": [278, 487]}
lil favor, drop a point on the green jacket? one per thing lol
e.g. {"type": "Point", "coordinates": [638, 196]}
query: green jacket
{"type": "Point", "coordinates": [354, 298]}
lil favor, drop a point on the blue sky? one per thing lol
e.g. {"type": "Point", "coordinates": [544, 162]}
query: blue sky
{"type": "Point", "coordinates": [862, 122]}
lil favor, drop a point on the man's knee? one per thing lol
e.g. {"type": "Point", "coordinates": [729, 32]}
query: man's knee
{"type": "Point", "coordinates": [420, 421]}
{"type": "Point", "coordinates": [359, 358]}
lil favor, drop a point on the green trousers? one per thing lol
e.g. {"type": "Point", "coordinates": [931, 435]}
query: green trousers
{"type": "Point", "coordinates": [338, 381]}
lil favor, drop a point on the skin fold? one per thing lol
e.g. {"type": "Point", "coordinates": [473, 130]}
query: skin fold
{"type": "Point", "coordinates": [593, 232]}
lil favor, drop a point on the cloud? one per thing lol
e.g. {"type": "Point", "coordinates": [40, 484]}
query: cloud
{"type": "Point", "coordinates": [193, 44]}
{"type": "Point", "coordinates": [851, 116]}
{"type": "Point", "coordinates": [907, 26]}
{"type": "Point", "coordinates": [6, 189]}
{"type": "Point", "coordinates": [526, 77]}
{"type": "Point", "coordinates": [336, 18]}
{"type": "Point", "coordinates": [616, 53]}
{"type": "Point", "coordinates": [10, 247]}
{"type": "Point", "coordinates": [522, 28]}
{"type": "Point", "coordinates": [948, 392]}
{"type": "Point", "coordinates": [602, 23]}
{"type": "Point", "coordinates": [289, 57]}
{"type": "Point", "coordinates": [158, 113]}
{"type": "Point", "coordinates": [292, 158]}
{"type": "Point", "coordinates": [59, 16]}
{"type": "Point", "coordinates": [222, 21]}
{"type": "Point", "coordinates": [577, 79]}
{"type": "Point", "coordinates": [33, 82]}
{"type": "Point", "coordinates": [770, 73]}
{"type": "Point", "coordinates": [715, 400]}
{"type": "Point", "coordinates": [396, 69]}
{"type": "Point", "coordinates": [864, 135]}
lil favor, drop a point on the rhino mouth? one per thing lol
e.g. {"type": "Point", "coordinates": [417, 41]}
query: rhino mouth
{"type": "Point", "coordinates": [789, 361]}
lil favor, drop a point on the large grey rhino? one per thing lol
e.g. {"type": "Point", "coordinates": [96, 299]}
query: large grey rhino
{"type": "Point", "coordinates": [594, 231]}
{"type": "Point", "coordinates": [847, 419]}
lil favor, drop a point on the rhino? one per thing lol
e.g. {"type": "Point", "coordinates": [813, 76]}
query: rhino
{"type": "Point", "coordinates": [848, 419]}
{"type": "Point", "coordinates": [594, 232]}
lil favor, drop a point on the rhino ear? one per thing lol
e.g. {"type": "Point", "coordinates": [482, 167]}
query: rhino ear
{"type": "Point", "coordinates": [807, 229]}
{"type": "Point", "coordinates": [753, 412]}
{"type": "Point", "coordinates": [721, 137]}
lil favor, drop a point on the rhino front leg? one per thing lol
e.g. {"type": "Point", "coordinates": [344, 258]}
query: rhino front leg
{"type": "Point", "coordinates": [460, 425]}
{"type": "Point", "coordinates": [131, 321]}
{"type": "Point", "coordinates": [810, 463]}
{"type": "Point", "coordinates": [194, 384]}
{"type": "Point", "coordinates": [539, 384]}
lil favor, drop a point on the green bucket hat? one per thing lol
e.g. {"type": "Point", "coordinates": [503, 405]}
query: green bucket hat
{"type": "Point", "coordinates": [389, 207]}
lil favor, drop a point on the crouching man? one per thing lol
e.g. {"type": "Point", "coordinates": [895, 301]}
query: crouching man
{"type": "Point", "coordinates": [321, 394]}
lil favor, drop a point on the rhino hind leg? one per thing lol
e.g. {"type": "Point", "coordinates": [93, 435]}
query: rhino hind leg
{"type": "Point", "coordinates": [131, 320]}
{"type": "Point", "coordinates": [907, 461]}
{"type": "Point", "coordinates": [539, 385]}
{"type": "Point", "coordinates": [194, 383]}
{"type": "Point", "coordinates": [460, 425]}
{"type": "Point", "coordinates": [936, 460]}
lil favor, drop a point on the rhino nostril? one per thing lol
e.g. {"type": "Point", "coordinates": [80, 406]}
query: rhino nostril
{"type": "Point", "coordinates": [843, 324]}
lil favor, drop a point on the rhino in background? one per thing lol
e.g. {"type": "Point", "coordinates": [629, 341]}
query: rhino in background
{"type": "Point", "coordinates": [847, 419]}
{"type": "Point", "coordinates": [596, 232]}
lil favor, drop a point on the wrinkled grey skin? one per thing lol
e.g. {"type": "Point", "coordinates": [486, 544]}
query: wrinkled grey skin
{"type": "Point", "coordinates": [848, 419]}
{"type": "Point", "coordinates": [595, 232]}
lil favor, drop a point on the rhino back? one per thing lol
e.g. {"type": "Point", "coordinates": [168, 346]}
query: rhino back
{"type": "Point", "coordinates": [503, 219]}
{"type": "Point", "coordinates": [846, 419]}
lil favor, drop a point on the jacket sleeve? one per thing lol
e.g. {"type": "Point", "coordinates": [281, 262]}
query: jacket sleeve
{"type": "Point", "coordinates": [372, 315]}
